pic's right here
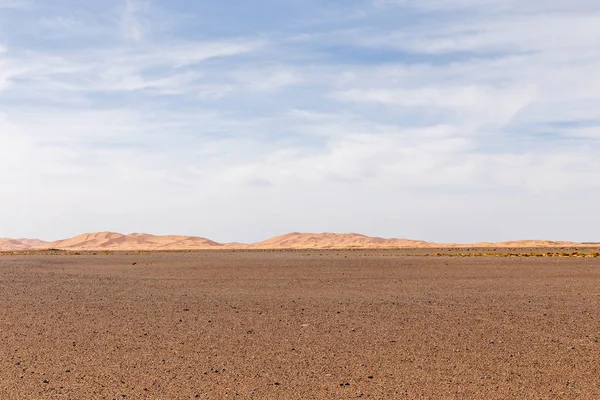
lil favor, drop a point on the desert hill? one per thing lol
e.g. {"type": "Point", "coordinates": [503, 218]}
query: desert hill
{"type": "Point", "coordinates": [19, 244]}
{"type": "Point", "coordinates": [296, 240]}
{"type": "Point", "coordinates": [335, 240]}
{"type": "Point", "coordinates": [523, 243]}
{"type": "Point", "coordinates": [136, 241]}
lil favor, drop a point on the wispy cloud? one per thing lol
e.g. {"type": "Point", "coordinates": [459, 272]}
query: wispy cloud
{"type": "Point", "coordinates": [491, 35]}
{"type": "Point", "coordinates": [60, 23]}
{"type": "Point", "coordinates": [14, 3]}
{"type": "Point", "coordinates": [131, 24]}
{"type": "Point", "coordinates": [168, 69]}
{"type": "Point", "coordinates": [491, 6]}
{"type": "Point", "coordinates": [220, 124]}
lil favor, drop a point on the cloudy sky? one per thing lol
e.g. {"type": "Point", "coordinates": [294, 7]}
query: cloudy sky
{"type": "Point", "coordinates": [441, 120]}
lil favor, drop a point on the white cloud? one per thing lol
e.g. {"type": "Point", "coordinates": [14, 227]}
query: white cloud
{"type": "Point", "coordinates": [60, 23]}
{"type": "Point", "coordinates": [471, 129]}
{"type": "Point", "coordinates": [269, 79]}
{"type": "Point", "coordinates": [491, 6]}
{"type": "Point", "coordinates": [514, 66]}
{"type": "Point", "coordinates": [214, 91]}
{"type": "Point", "coordinates": [498, 33]}
{"type": "Point", "coordinates": [433, 157]}
{"type": "Point", "coordinates": [130, 23]}
{"type": "Point", "coordinates": [476, 107]}
{"type": "Point", "coordinates": [167, 69]}
{"type": "Point", "coordinates": [589, 132]}
{"type": "Point", "coordinates": [14, 4]}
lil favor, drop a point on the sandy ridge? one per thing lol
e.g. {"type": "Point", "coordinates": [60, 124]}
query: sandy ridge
{"type": "Point", "coordinates": [134, 241]}
{"type": "Point", "coordinates": [295, 240]}
{"type": "Point", "coordinates": [19, 244]}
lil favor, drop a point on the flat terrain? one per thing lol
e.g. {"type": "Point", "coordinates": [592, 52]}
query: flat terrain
{"type": "Point", "coordinates": [298, 325]}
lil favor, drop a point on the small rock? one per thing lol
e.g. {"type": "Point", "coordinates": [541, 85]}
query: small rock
{"type": "Point", "coordinates": [276, 383]}
{"type": "Point", "coordinates": [46, 381]}
{"type": "Point", "coordinates": [492, 342]}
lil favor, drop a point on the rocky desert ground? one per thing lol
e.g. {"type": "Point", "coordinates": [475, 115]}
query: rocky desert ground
{"type": "Point", "coordinates": [303, 324]}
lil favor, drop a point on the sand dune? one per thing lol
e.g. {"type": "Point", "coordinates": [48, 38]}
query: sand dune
{"type": "Point", "coordinates": [524, 243]}
{"type": "Point", "coordinates": [19, 244]}
{"type": "Point", "coordinates": [237, 245]}
{"type": "Point", "coordinates": [296, 240]}
{"type": "Point", "coordinates": [334, 240]}
{"type": "Point", "coordinates": [355, 240]}
{"type": "Point", "coordinates": [136, 241]}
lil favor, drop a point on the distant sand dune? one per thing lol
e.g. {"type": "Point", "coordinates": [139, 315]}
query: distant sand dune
{"type": "Point", "coordinates": [19, 244]}
{"type": "Point", "coordinates": [525, 243]}
{"type": "Point", "coordinates": [136, 241]}
{"type": "Point", "coordinates": [296, 240]}
{"type": "Point", "coordinates": [334, 240]}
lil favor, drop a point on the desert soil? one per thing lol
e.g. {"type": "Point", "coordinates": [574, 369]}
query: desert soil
{"type": "Point", "coordinates": [298, 325]}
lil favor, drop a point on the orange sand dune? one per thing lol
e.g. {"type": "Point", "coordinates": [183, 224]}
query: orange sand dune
{"type": "Point", "coordinates": [524, 243]}
{"type": "Point", "coordinates": [144, 241]}
{"type": "Point", "coordinates": [237, 245]}
{"type": "Point", "coordinates": [354, 240]}
{"type": "Point", "coordinates": [136, 241]}
{"type": "Point", "coordinates": [335, 240]}
{"type": "Point", "coordinates": [19, 244]}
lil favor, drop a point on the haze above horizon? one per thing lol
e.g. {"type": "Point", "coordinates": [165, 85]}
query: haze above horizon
{"type": "Point", "coordinates": [443, 120]}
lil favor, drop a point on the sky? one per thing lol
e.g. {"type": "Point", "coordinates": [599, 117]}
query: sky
{"type": "Point", "coordinates": [439, 120]}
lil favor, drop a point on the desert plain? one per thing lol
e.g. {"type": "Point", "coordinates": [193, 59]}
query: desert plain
{"type": "Point", "coordinates": [299, 324]}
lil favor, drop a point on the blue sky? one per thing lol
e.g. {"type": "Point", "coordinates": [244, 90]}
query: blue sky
{"type": "Point", "coordinates": [441, 120]}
